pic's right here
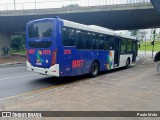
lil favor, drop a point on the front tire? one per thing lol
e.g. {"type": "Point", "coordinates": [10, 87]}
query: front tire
{"type": "Point", "coordinates": [94, 69]}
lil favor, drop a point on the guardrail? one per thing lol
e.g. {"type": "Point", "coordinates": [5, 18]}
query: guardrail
{"type": "Point", "coordinates": [66, 3]}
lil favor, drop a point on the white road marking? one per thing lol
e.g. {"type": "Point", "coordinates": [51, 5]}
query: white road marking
{"type": "Point", "coordinates": [18, 77]}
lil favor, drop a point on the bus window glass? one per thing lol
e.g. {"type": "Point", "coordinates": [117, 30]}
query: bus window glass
{"type": "Point", "coordinates": [123, 46]}
{"type": "Point", "coordinates": [95, 41]}
{"type": "Point", "coordinates": [40, 44]}
{"type": "Point", "coordinates": [68, 37]}
{"type": "Point", "coordinates": [80, 39]}
{"type": "Point", "coordinates": [108, 42]}
{"type": "Point", "coordinates": [129, 46]}
{"type": "Point", "coordinates": [88, 41]}
{"type": "Point", "coordinates": [101, 42]}
{"type": "Point", "coordinates": [40, 30]}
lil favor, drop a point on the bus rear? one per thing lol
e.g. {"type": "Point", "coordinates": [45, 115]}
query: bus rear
{"type": "Point", "coordinates": [42, 47]}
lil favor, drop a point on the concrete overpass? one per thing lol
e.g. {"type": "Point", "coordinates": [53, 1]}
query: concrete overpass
{"type": "Point", "coordinates": [117, 17]}
{"type": "Point", "coordinates": [156, 4]}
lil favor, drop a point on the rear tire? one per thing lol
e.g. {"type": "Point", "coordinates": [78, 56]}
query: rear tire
{"type": "Point", "coordinates": [127, 63]}
{"type": "Point", "coordinates": [94, 69]}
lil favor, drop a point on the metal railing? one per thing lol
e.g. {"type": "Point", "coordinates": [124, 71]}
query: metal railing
{"type": "Point", "coordinates": [67, 3]}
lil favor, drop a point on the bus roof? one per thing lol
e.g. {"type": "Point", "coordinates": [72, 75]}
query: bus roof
{"type": "Point", "coordinates": [95, 28]}
{"type": "Point", "coordinates": [43, 19]}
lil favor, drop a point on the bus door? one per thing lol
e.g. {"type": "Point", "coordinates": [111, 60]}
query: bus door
{"type": "Point", "coordinates": [117, 52]}
{"type": "Point", "coordinates": [135, 50]}
{"type": "Point", "coordinates": [68, 40]}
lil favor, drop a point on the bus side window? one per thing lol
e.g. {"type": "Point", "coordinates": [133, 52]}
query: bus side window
{"type": "Point", "coordinates": [129, 46]}
{"type": "Point", "coordinates": [101, 42]}
{"type": "Point", "coordinates": [68, 37]}
{"type": "Point", "coordinates": [123, 46]}
{"type": "Point", "coordinates": [88, 40]}
{"type": "Point", "coordinates": [108, 42]}
{"type": "Point", "coordinates": [95, 41]}
{"type": "Point", "coordinates": [80, 39]}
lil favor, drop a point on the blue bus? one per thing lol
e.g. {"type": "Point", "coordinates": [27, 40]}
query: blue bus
{"type": "Point", "coordinates": [60, 48]}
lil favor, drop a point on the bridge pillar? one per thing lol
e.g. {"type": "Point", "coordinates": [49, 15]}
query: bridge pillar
{"type": "Point", "coordinates": [4, 45]}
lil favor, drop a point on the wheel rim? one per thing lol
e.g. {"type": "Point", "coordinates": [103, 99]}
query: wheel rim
{"type": "Point", "coordinates": [95, 69]}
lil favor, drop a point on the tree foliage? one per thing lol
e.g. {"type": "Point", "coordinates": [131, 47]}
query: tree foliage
{"type": "Point", "coordinates": [134, 32]}
{"type": "Point", "coordinates": [71, 6]}
{"type": "Point", "coordinates": [17, 42]}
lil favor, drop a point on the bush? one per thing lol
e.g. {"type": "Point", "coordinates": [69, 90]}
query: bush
{"type": "Point", "coordinates": [18, 42]}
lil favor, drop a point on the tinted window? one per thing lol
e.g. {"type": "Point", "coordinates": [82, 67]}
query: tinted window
{"type": "Point", "coordinates": [108, 42]}
{"type": "Point", "coordinates": [101, 42]}
{"type": "Point", "coordinates": [129, 46]}
{"type": "Point", "coordinates": [88, 41]}
{"type": "Point", "coordinates": [80, 39]}
{"type": "Point", "coordinates": [42, 44]}
{"type": "Point", "coordinates": [95, 41]}
{"type": "Point", "coordinates": [123, 46]}
{"type": "Point", "coordinates": [40, 30]}
{"type": "Point", "coordinates": [68, 36]}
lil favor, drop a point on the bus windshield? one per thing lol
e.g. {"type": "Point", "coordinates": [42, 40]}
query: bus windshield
{"type": "Point", "coordinates": [40, 29]}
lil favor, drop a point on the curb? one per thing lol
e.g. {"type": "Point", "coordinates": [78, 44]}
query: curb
{"type": "Point", "coordinates": [14, 63]}
{"type": "Point", "coordinates": [17, 54]}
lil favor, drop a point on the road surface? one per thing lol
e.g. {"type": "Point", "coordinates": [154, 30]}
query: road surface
{"type": "Point", "coordinates": [16, 79]}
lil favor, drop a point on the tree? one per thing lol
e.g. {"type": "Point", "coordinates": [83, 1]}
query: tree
{"type": "Point", "coordinates": [142, 35]}
{"type": "Point", "coordinates": [134, 32]}
{"type": "Point", "coordinates": [71, 6]}
{"type": "Point", "coordinates": [17, 42]}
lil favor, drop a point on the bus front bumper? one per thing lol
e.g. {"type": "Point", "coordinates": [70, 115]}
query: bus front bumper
{"type": "Point", "coordinates": [53, 70]}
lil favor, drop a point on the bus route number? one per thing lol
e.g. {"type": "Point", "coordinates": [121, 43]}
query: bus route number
{"type": "Point", "coordinates": [67, 52]}
{"type": "Point", "coordinates": [46, 52]}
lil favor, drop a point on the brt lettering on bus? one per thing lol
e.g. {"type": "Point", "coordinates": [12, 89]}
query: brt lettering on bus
{"type": "Point", "coordinates": [77, 63]}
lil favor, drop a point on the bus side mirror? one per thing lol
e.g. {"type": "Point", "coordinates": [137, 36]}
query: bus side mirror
{"type": "Point", "coordinates": [139, 45]}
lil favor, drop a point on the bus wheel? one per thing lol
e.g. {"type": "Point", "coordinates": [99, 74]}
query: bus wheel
{"type": "Point", "coordinates": [94, 69]}
{"type": "Point", "coordinates": [127, 63]}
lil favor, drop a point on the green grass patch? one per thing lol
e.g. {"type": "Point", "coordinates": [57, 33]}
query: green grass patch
{"type": "Point", "coordinates": [19, 52]}
{"type": "Point", "coordinates": [149, 46]}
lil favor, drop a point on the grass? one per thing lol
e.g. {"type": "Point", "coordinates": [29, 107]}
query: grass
{"type": "Point", "coordinates": [20, 52]}
{"type": "Point", "coordinates": [149, 46]}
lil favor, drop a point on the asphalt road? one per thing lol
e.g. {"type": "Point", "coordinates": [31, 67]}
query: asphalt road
{"type": "Point", "coordinates": [17, 80]}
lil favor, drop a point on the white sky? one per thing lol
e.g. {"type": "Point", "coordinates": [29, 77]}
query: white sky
{"type": "Point", "coordinates": [30, 4]}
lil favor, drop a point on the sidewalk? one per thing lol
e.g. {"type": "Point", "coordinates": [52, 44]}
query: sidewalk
{"type": "Point", "coordinates": [13, 59]}
{"type": "Point", "coordinates": [147, 53]}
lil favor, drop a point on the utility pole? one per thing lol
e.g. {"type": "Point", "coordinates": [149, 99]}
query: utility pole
{"type": "Point", "coordinates": [152, 43]}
